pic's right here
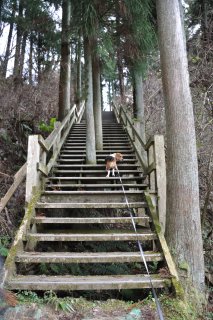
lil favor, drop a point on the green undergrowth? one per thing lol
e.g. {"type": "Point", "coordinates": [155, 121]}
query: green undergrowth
{"type": "Point", "coordinates": [173, 309]}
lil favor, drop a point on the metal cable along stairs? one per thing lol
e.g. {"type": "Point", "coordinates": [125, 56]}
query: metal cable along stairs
{"type": "Point", "coordinates": [74, 214]}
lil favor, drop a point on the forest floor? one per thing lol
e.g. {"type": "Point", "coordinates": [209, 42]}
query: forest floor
{"type": "Point", "coordinates": [83, 309]}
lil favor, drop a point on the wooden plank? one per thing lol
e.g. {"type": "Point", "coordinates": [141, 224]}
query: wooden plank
{"type": "Point", "coordinates": [43, 143]}
{"type": "Point", "coordinates": [18, 178]}
{"type": "Point", "coordinates": [108, 186]}
{"type": "Point", "coordinates": [160, 179]}
{"type": "Point", "coordinates": [42, 168]}
{"type": "Point", "coordinates": [33, 157]}
{"type": "Point", "coordinates": [64, 205]}
{"type": "Point", "coordinates": [92, 192]}
{"type": "Point", "coordinates": [97, 220]}
{"type": "Point", "coordinates": [128, 236]}
{"type": "Point", "coordinates": [87, 257]}
{"type": "Point", "coordinates": [116, 282]}
{"type": "Point", "coordinates": [55, 154]}
{"type": "Point", "coordinates": [151, 168]}
{"type": "Point", "coordinates": [166, 252]}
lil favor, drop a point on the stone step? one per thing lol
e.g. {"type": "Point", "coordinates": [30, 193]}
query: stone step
{"type": "Point", "coordinates": [93, 220]}
{"type": "Point", "coordinates": [101, 152]}
{"type": "Point", "coordinates": [93, 205]}
{"type": "Point", "coordinates": [87, 257]}
{"type": "Point", "coordinates": [94, 235]}
{"type": "Point", "coordinates": [114, 282]}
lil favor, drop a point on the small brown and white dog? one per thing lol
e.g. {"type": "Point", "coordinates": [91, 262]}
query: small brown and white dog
{"type": "Point", "coordinates": [111, 162]}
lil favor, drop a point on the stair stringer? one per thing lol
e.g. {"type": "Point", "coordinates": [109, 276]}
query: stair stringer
{"type": "Point", "coordinates": [151, 202]}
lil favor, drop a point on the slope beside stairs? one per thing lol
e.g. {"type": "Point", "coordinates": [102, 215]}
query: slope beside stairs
{"type": "Point", "coordinates": [81, 237]}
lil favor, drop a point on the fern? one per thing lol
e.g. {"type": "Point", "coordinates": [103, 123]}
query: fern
{"type": "Point", "coordinates": [64, 304]}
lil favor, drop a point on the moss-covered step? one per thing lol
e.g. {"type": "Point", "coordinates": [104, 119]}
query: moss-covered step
{"type": "Point", "coordinates": [92, 235]}
{"type": "Point", "coordinates": [93, 220]}
{"type": "Point", "coordinates": [73, 283]}
{"type": "Point", "coordinates": [87, 257]}
{"type": "Point", "coordinates": [94, 205]}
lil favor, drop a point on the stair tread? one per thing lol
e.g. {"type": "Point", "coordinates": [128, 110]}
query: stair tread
{"type": "Point", "coordinates": [43, 219]}
{"type": "Point", "coordinates": [96, 178]}
{"type": "Point", "coordinates": [87, 257]}
{"type": "Point", "coordinates": [95, 171]}
{"type": "Point", "coordinates": [63, 205]}
{"type": "Point", "coordinates": [109, 185]}
{"type": "Point", "coordinates": [86, 192]}
{"type": "Point", "coordinates": [86, 282]}
{"type": "Point", "coordinates": [103, 236]}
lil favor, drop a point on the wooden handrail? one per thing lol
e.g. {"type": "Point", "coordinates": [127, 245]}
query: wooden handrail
{"type": "Point", "coordinates": [151, 157]}
{"type": "Point", "coordinates": [18, 178]}
{"type": "Point", "coordinates": [46, 145]}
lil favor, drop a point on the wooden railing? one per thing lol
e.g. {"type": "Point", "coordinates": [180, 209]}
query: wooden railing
{"type": "Point", "coordinates": [151, 156]}
{"type": "Point", "coordinates": [45, 151]}
{"type": "Point", "coordinates": [42, 154]}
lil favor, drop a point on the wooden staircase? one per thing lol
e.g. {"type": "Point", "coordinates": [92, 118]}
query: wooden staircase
{"type": "Point", "coordinates": [77, 230]}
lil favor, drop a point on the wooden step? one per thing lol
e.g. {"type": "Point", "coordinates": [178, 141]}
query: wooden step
{"type": "Point", "coordinates": [115, 282]}
{"type": "Point", "coordinates": [87, 257]}
{"type": "Point", "coordinates": [93, 220]}
{"type": "Point", "coordinates": [94, 235]}
{"type": "Point", "coordinates": [66, 154]}
{"type": "Point", "coordinates": [92, 196]}
{"type": "Point", "coordinates": [99, 178]}
{"type": "Point", "coordinates": [83, 160]}
{"type": "Point", "coordinates": [98, 152]}
{"type": "Point", "coordinates": [98, 185]}
{"type": "Point", "coordinates": [96, 166]}
{"type": "Point", "coordinates": [94, 205]}
{"type": "Point", "coordinates": [67, 171]}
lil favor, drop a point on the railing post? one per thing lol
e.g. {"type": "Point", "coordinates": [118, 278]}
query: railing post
{"type": "Point", "coordinates": [152, 176]}
{"type": "Point", "coordinates": [55, 146]}
{"type": "Point", "coordinates": [160, 178]}
{"type": "Point", "coordinates": [33, 157]}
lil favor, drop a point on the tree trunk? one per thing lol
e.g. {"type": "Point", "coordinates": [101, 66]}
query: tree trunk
{"type": "Point", "coordinates": [139, 104]}
{"type": "Point", "coordinates": [79, 93]}
{"type": "Point", "coordinates": [90, 142]}
{"type": "Point", "coordinates": [65, 66]}
{"type": "Point", "coordinates": [139, 111]}
{"type": "Point", "coordinates": [31, 61]}
{"type": "Point", "coordinates": [18, 41]}
{"type": "Point", "coordinates": [1, 7]}
{"type": "Point", "coordinates": [120, 63]}
{"type": "Point", "coordinates": [183, 229]}
{"type": "Point", "coordinates": [9, 40]}
{"type": "Point", "coordinates": [39, 57]}
{"type": "Point", "coordinates": [97, 98]}
{"type": "Point", "coordinates": [22, 55]}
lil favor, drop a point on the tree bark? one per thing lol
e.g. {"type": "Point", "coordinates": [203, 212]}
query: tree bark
{"type": "Point", "coordinates": [183, 229]}
{"type": "Point", "coordinates": [9, 40]}
{"type": "Point", "coordinates": [31, 61]}
{"type": "Point", "coordinates": [18, 41]}
{"type": "Point", "coordinates": [139, 111]}
{"type": "Point", "coordinates": [22, 55]}
{"type": "Point", "coordinates": [79, 50]}
{"type": "Point", "coordinates": [90, 140]}
{"type": "Point", "coordinates": [65, 66]}
{"type": "Point", "coordinates": [119, 62]}
{"type": "Point", "coordinates": [139, 104]}
{"type": "Point", "coordinates": [97, 98]}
